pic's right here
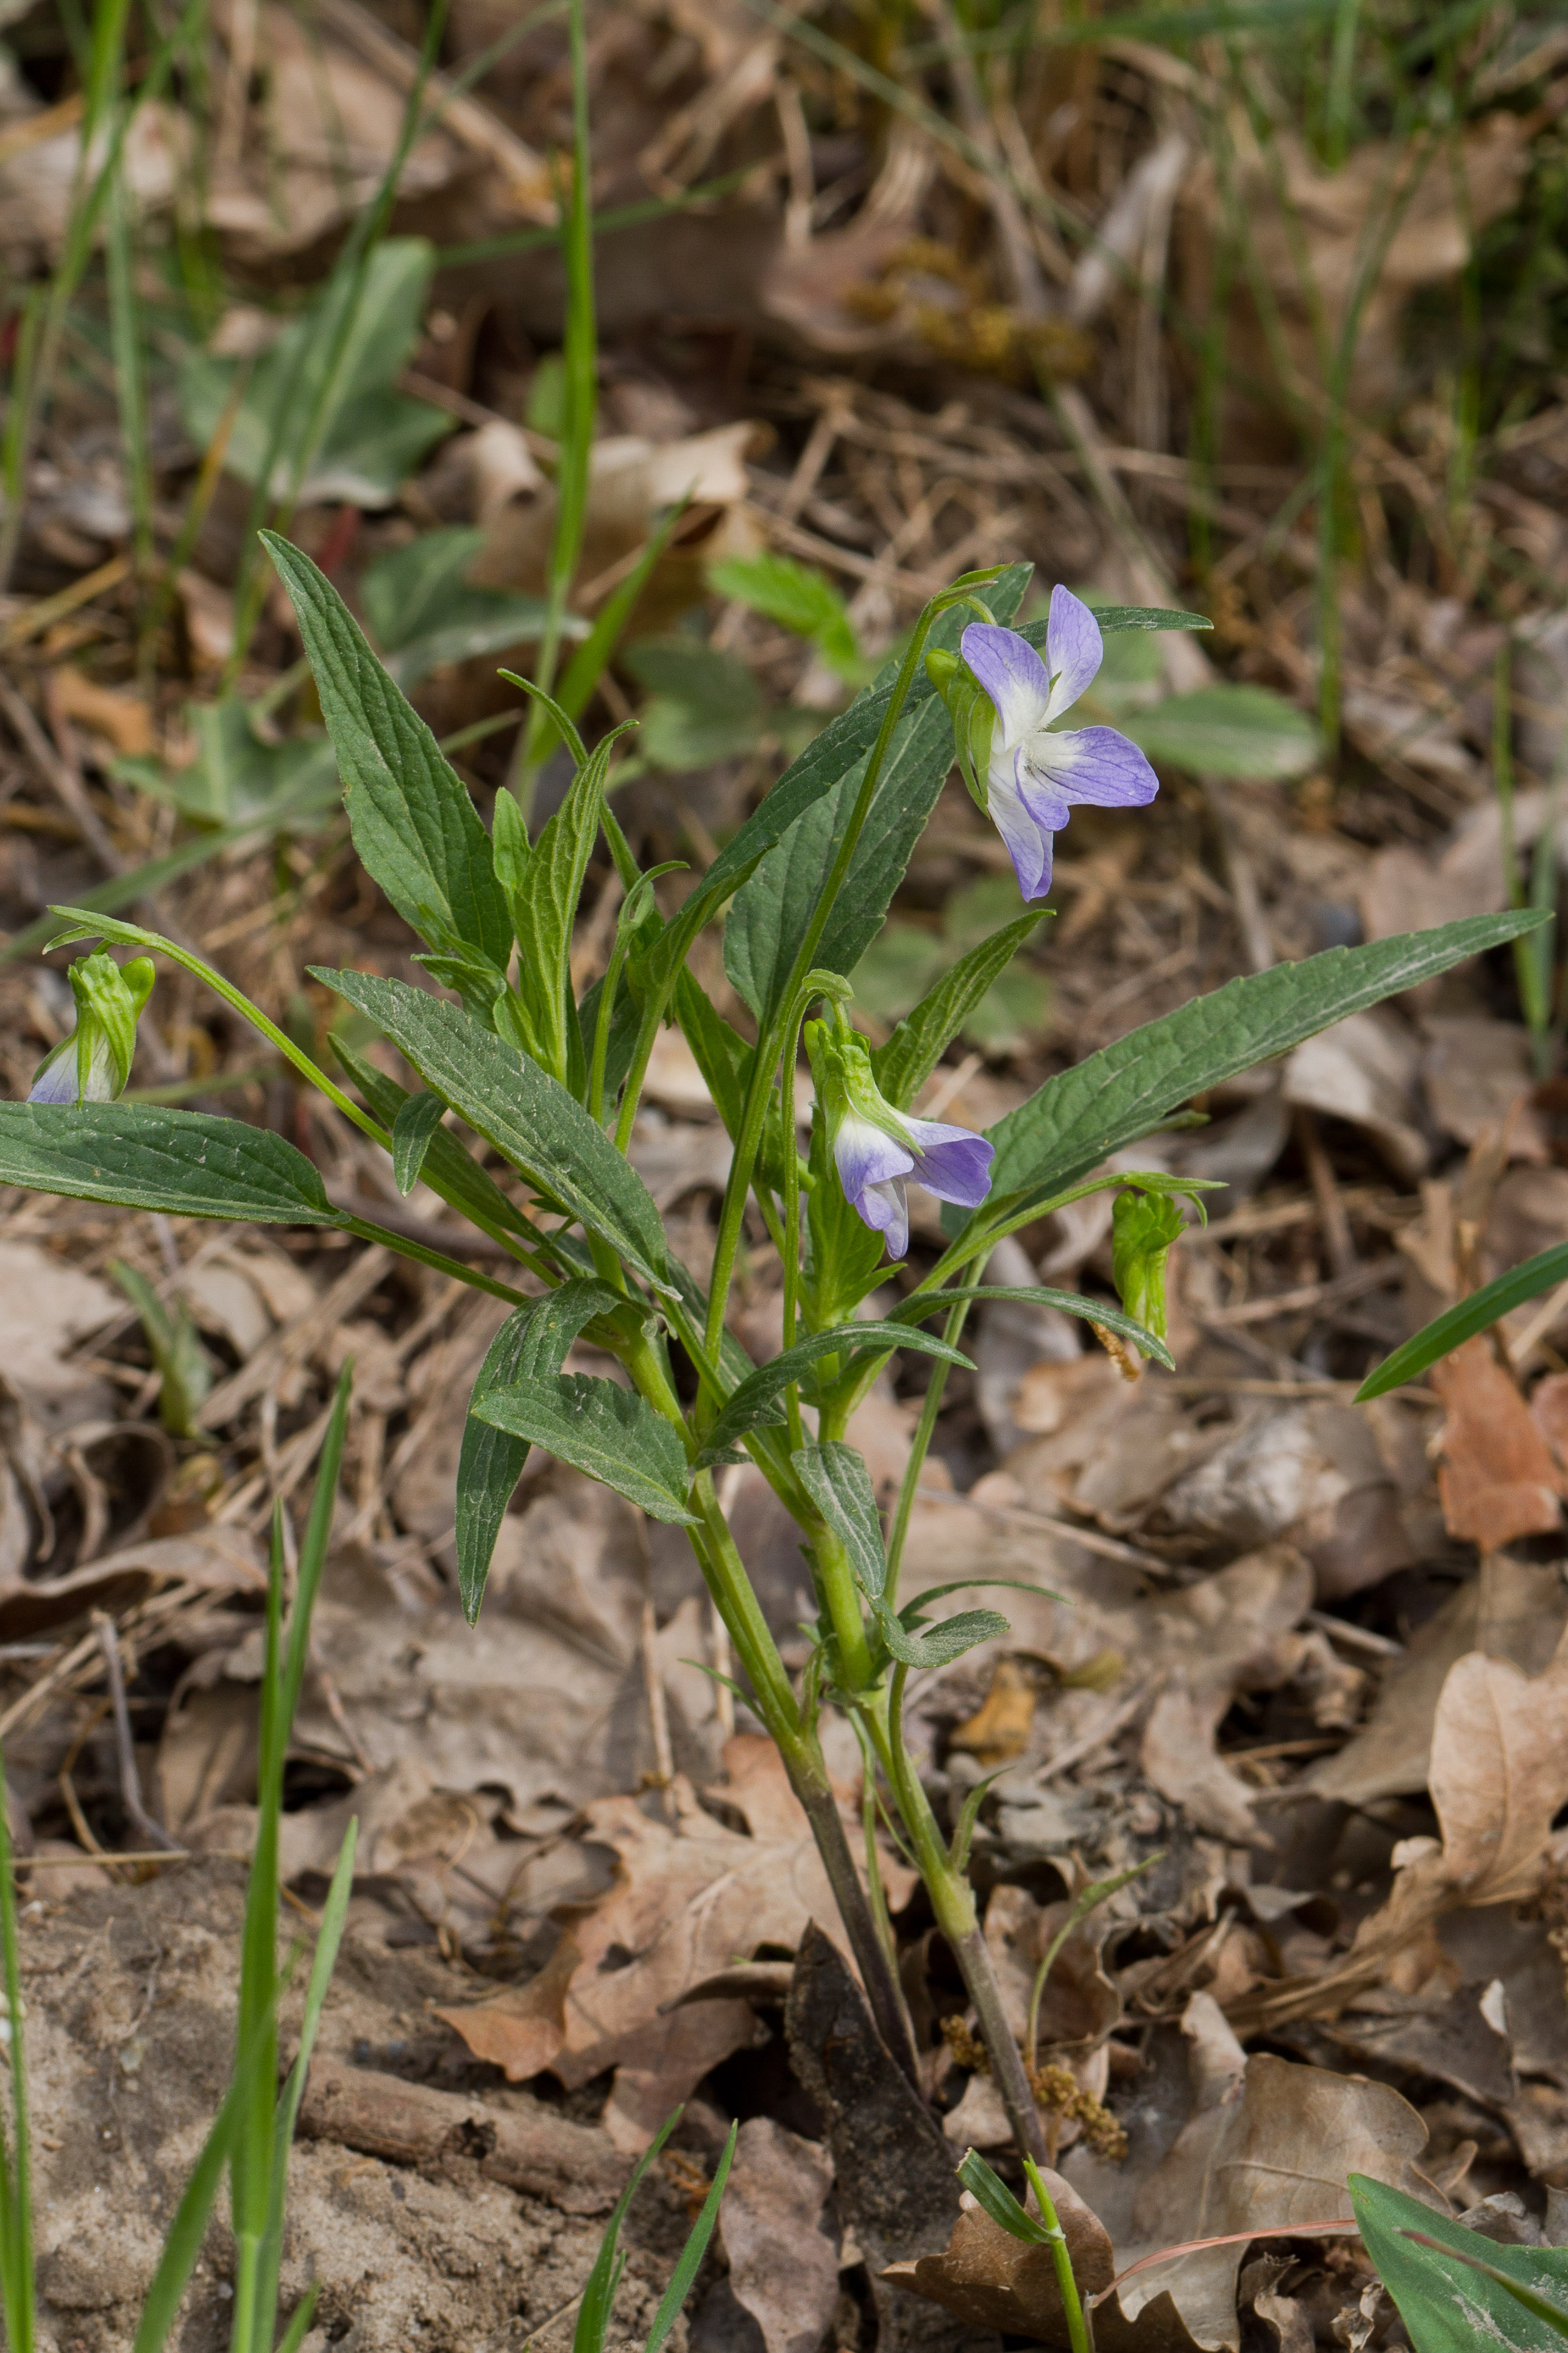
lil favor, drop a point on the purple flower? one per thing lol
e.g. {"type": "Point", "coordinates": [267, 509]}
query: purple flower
{"type": "Point", "coordinates": [1035, 777]}
{"type": "Point", "coordinates": [876, 1148]}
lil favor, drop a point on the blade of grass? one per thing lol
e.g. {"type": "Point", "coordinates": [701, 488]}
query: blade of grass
{"type": "Point", "coordinates": [599, 2289]}
{"type": "Point", "coordinates": [103, 108]}
{"type": "Point", "coordinates": [125, 335]}
{"type": "Point", "coordinates": [580, 354]}
{"type": "Point", "coordinates": [17, 2290]}
{"type": "Point", "coordinates": [1341, 84]}
{"type": "Point", "coordinates": [691, 2254]}
{"type": "Point", "coordinates": [250, 2157]}
{"type": "Point", "coordinates": [182, 2244]}
{"type": "Point", "coordinates": [333, 1914]}
{"type": "Point", "coordinates": [254, 2158]}
{"type": "Point", "coordinates": [594, 655]}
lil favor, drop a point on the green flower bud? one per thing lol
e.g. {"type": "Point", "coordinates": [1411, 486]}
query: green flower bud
{"type": "Point", "coordinates": [93, 1064]}
{"type": "Point", "coordinates": [1142, 1227]}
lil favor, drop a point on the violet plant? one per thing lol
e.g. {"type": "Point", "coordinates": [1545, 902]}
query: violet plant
{"type": "Point", "coordinates": [547, 1087]}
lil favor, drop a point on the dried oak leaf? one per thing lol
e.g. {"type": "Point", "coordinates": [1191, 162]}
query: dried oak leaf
{"type": "Point", "coordinates": [1275, 2149]}
{"type": "Point", "coordinates": [1497, 1778]}
{"type": "Point", "coordinates": [520, 2029]}
{"type": "Point", "coordinates": [778, 2234]}
{"type": "Point", "coordinates": [1496, 1477]}
{"type": "Point", "coordinates": [1514, 1610]}
{"type": "Point", "coordinates": [987, 2277]}
{"type": "Point", "coordinates": [688, 1899]}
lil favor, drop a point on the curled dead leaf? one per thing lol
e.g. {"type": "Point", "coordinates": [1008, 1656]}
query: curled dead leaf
{"type": "Point", "coordinates": [520, 2029]}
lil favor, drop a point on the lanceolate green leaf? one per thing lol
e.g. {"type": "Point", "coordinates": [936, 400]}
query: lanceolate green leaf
{"type": "Point", "coordinates": [721, 1054]}
{"type": "Point", "coordinates": [1447, 2306]}
{"type": "Point", "coordinates": [904, 1064]}
{"type": "Point", "coordinates": [1461, 1322]}
{"type": "Point", "coordinates": [449, 1170]}
{"type": "Point", "coordinates": [1227, 731]}
{"type": "Point", "coordinates": [416, 1122]}
{"type": "Point", "coordinates": [544, 907]}
{"type": "Point", "coordinates": [770, 917]}
{"type": "Point", "coordinates": [1113, 617]}
{"type": "Point", "coordinates": [1075, 1120]}
{"type": "Point", "coordinates": [413, 822]}
{"type": "Point", "coordinates": [145, 1157]}
{"type": "Point", "coordinates": [506, 1098]}
{"type": "Point", "coordinates": [490, 1459]}
{"type": "Point", "coordinates": [754, 1405]}
{"type": "Point", "coordinates": [836, 1478]}
{"type": "Point", "coordinates": [942, 1643]}
{"type": "Point", "coordinates": [611, 1434]}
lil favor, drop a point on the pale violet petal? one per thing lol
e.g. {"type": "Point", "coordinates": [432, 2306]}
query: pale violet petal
{"type": "Point", "coordinates": [886, 1211]}
{"type": "Point", "coordinates": [1013, 675]}
{"type": "Point", "coordinates": [953, 1163]}
{"type": "Point", "coordinates": [1096, 766]}
{"type": "Point", "coordinates": [865, 1156]}
{"type": "Point", "coordinates": [56, 1082]}
{"type": "Point", "coordinates": [1073, 649]}
{"type": "Point", "coordinates": [1027, 841]}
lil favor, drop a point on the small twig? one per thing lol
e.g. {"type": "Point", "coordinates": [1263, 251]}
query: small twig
{"type": "Point", "coordinates": [125, 1747]}
{"type": "Point", "coordinates": [1332, 1293]}
{"type": "Point", "coordinates": [1332, 1212]}
{"type": "Point", "coordinates": [66, 785]}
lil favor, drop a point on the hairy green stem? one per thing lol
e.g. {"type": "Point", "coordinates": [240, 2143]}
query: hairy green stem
{"type": "Point", "coordinates": [953, 1901]}
{"type": "Point", "coordinates": [920, 1447]}
{"type": "Point", "coordinates": [841, 1597]}
{"type": "Point", "coordinates": [797, 1744]}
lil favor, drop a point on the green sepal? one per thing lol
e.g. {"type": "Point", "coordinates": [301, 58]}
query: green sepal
{"type": "Point", "coordinates": [416, 1124]}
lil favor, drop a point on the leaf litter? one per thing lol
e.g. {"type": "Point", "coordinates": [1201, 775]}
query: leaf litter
{"type": "Point", "coordinates": [1307, 1668]}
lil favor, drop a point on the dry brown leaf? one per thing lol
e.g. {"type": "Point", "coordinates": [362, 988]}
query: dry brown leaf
{"type": "Point", "coordinates": [1275, 2149]}
{"type": "Point", "coordinates": [211, 1560]}
{"type": "Point", "coordinates": [1498, 1775]}
{"type": "Point", "coordinates": [1365, 1069]}
{"type": "Point", "coordinates": [121, 718]}
{"type": "Point", "coordinates": [1477, 1075]}
{"type": "Point", "coordinates": [1312, 1474]}
{"type": "Point", "coordinates": [779, 2235]}
{"type": "Point", "coordinates": [1496, 1476]}
{"type": "Point", "coordinates": [1000, 1726]}
{"type": "Point", "coordinates": [46, 1306]}
{"type": "Point", "coordinates": [1514, 1610]}
{"type": "Point", "coordinates": [689, 1899]}
{"type": "Point", "coordinates": [630, 479]}
{"type": "Point", "coordinates": [1232, 1632]}
{"type": "Point", "coordinates": [520, 2029]}
{"type": "Point", "coordinates": [993, 2281]}
{"type": "Point", "coordinates": [544, 1703]}
{"type": "Point", "coordinates": [1307, 232]}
